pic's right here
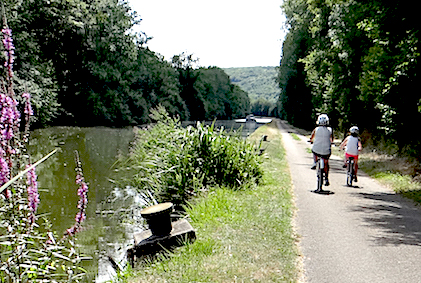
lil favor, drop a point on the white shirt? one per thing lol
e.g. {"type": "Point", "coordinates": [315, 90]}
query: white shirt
{"type": "Point", "coordinates": [352, 145]}
{"type": "Point", "coordinates": [322, 142]}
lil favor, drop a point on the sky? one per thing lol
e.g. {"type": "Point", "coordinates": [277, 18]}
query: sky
{"type": "Point", "coordinates": [222, 33]}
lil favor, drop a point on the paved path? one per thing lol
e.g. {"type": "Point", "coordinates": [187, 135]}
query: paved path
{"type": "Point", "coordinates": [364, 234]}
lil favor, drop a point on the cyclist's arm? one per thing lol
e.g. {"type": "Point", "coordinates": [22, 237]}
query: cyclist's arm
{"type": "Point", "coordinates": [343, 144]}
{"type": "Point", "coordinates": [331, 136]}
{"type": "Point", "coordinates": [360, 146]}
{"type": "Point", "coordinates": [312, 135]}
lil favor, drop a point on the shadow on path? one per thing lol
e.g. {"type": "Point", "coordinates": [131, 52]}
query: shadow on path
{"type": "Point", "coordinates": [323, 192]}
{"type": "Point", "coordinates": [399, 222]}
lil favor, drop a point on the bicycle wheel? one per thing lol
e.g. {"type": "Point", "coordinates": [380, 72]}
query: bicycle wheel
{"type": "Point", "coordinates": [320, 177]}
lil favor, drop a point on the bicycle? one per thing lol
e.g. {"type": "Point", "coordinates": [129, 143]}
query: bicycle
{"type": "Point", "coordinates": [350, 171]}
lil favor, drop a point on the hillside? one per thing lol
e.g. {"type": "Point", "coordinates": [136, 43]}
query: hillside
{"type": "Point", "coordinates": [258, 82]}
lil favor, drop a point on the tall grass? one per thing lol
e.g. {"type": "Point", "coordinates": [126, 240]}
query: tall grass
{"type": "Point", "coordinates": [176, 163]}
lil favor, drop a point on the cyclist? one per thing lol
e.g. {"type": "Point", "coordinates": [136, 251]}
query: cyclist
{"type": "Point", "coordinates": [352, 146]}
{"type": "Point", "coordinates": [322, 138]}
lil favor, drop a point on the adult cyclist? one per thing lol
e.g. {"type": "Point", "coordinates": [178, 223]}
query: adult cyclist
{"type": "Point", "coordinates": [322, 138]}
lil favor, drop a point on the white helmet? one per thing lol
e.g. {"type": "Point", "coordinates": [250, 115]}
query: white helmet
{"type": "Point", "coordinates": [323, 120]}
{"type": "Point", "coordinates": [354, 130]}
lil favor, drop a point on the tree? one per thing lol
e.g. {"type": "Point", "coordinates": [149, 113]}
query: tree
{"type": "Point", "coordinates": [359, 57]}
{"type": "Point", "coordinates": [295, 100]}
{"type": "Point", "coordinates": [187, 76]}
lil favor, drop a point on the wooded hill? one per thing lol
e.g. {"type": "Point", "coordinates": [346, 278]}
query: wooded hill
{"type": "Point", "coordinates": [258, 82]}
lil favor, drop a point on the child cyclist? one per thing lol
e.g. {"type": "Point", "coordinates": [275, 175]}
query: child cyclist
{"type": "Point", "coordinates": [352, 146]}
{"type": "Point", "coordinates": [322, 138]}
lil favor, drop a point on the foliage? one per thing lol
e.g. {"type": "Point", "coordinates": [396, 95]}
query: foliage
{"type": "Point", "coordinates": [176, 163]}
{"type": "Point", "coordinates": [208, 92]}
{"type": "Point", "coordinates": [352, 57]}
{"type": "Point", "coordinates": [295, 101]}
{"type": "Point", "coordinates": [262, 107]}
{"type": "Point", "coordinates": [221, 99]}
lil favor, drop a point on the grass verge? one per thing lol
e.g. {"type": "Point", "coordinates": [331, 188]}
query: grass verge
{"type": "Point", "coordinates": [393, 172]}
{"type": "Point", "coordinates": [243, 235]}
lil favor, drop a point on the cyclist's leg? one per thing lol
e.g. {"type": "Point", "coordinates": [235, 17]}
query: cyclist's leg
{"type": "Point", "coordinates": [345, 160]}
{"type": "Point", "coordinates": [326, 160]}
{"type": "Point", "coordinates": [355, 168]}
{"type": "Point", "coordinates": [315, 161]}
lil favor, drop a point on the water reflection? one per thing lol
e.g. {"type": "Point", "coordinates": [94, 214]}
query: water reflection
{"type": "Point", "coordinates": [98, 149]}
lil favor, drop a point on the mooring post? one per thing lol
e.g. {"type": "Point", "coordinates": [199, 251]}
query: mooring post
{"type": "Point", "coordinates": [158, 218]}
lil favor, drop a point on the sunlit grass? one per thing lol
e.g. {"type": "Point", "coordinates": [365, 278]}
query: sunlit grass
{"type": "Point", "coordinates": [295, 137]}
{"type": "Point", "coordinates": [243, 235]}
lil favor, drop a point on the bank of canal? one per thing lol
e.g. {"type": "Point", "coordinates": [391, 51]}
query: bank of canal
{"type": "Point", "coordinates": [99, 148]}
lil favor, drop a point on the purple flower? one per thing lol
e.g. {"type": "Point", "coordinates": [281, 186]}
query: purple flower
{"type": "Point", "coordinates": [4, 171]}
{"type": "Point", "coordinates": [28, 108]}
{"type": "Point", "coordinates": [82, 192]}
{"type": "Point", "coordinates": [28, 113]}
{"type": "Point", "coordinates": [10, 51]}
{"type": "Point", "coordinates": [32, 189]}
{"type": "Point", "coordinates": [9, 127]}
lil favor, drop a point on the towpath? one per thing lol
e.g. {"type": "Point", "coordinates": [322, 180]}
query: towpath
{"type": "Point", "coordinates": [361, 234]}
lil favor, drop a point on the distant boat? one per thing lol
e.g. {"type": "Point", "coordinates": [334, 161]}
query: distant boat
{"type": "Point", "coordinates": [252, 119]}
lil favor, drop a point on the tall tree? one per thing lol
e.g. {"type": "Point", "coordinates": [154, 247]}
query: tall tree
{"type": "Point", "coordinates": [295, 100]}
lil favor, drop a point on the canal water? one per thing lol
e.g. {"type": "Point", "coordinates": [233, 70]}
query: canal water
{"type": "Point", "coordinates": [98, 148]}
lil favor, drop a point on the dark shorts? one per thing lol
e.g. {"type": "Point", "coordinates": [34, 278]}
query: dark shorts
{"type": "Point", "coordinates": [323, 156]}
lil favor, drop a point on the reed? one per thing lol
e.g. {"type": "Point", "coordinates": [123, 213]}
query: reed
{"type": "Point", "coordinates": [176, 163]}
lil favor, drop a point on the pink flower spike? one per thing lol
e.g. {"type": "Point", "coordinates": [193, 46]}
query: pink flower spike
{"type": "Point", "coordinates": [9, 53]}
{"type": "Point", "coordinates": [32, 189]}
{"type": "Point", "coordinates": [28, 108]}
{"type": "Point", "coordinates": [82, 192]}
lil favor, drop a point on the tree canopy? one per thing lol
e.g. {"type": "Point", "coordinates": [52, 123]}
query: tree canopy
{"type": "Point", "coordinates": [357, 61]}
{"type": "Point", "coordinates": [85, 66]}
